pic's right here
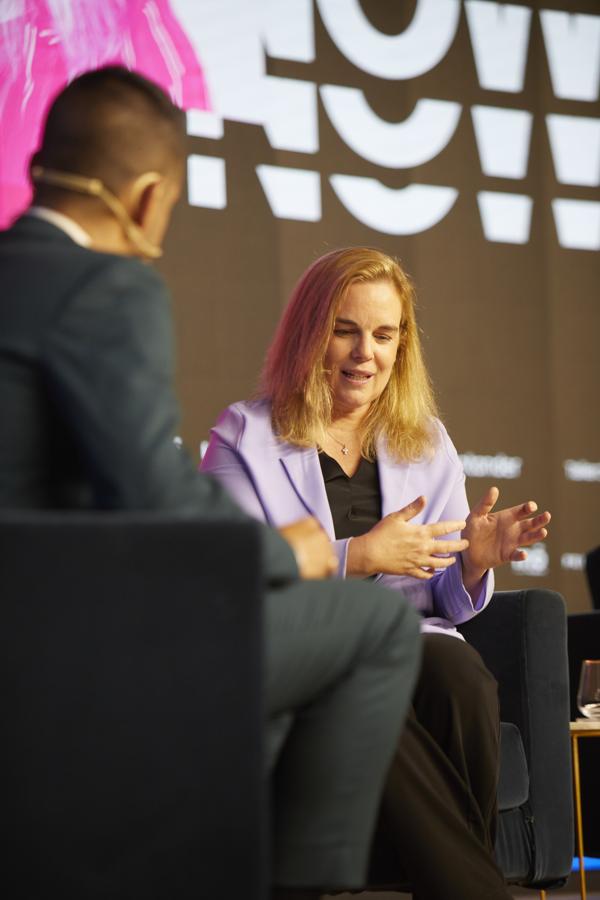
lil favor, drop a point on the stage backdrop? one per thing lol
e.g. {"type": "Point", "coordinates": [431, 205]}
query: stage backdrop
{"type": "Point", "coordinates": [462, 137]}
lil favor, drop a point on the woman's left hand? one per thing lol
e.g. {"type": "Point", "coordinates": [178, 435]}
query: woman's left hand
{"type": "Point", "coordinates": [497, 537]}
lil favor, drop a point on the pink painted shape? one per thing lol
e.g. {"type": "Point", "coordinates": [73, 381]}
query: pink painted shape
{"type": "Point", "coordinates": [42, 49]}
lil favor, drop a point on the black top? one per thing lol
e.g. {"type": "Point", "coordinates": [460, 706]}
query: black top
{"type": "Point", "coordinates": [355, 502]}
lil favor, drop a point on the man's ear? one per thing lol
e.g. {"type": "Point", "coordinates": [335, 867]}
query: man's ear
{"type": "Point", "coordinates": [145, 195]}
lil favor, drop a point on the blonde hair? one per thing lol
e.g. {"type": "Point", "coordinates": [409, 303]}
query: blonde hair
{"type": "Point", "coordinates": [294, 377]}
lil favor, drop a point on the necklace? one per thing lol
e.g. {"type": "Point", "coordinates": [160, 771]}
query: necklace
{"type": "Point", "coordinates": [345, 450]}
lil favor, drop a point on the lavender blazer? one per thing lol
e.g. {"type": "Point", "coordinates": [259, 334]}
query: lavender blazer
{"type": "Point", "coordinates": [278, 483]}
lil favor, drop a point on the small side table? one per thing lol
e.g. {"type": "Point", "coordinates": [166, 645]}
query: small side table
{"type": "Point", "coordinates": [581, 728]}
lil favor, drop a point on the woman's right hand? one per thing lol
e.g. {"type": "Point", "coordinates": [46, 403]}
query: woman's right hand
{"type": "Point", "coordinates": [396, 547]}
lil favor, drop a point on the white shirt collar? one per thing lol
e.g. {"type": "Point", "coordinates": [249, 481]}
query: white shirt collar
{"type": "Point", "coordinates": [65, 223]}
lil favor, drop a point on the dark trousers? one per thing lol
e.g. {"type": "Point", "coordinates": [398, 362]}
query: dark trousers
{"type": "Point", "coordinates": [341, 663]}
{"type": "Point", "coordinates": [438, 814]}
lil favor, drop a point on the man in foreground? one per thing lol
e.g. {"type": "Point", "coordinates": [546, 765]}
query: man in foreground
{"type": "Point", "coordinates": [88, 419]}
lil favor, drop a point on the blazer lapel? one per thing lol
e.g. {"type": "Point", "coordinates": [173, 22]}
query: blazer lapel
{"type": "Point", "coordinates": [304, 472]}
{"type": "Point", "coordinates": [392, 480]}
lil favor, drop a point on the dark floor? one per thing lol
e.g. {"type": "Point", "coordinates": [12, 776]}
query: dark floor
{"type": "Point", "coordinates": [569, 892]}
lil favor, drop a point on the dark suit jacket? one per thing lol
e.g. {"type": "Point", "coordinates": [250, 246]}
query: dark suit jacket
{"type": "Point", "coordinates": [87, 409]}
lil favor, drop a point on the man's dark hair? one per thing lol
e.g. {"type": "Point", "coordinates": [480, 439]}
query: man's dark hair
{"type": "Point", "coordinates": [112, 124]}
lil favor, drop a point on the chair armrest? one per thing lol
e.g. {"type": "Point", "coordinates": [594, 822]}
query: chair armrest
{"type": "Point", "coordinates": [522, 637]}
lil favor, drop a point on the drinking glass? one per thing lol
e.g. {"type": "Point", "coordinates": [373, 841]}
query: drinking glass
{"type": "Point", "coordinates": [588, 695]}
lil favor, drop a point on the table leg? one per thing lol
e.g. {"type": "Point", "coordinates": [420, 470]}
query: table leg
{"type": "Point", "coordinates": [578, 817]}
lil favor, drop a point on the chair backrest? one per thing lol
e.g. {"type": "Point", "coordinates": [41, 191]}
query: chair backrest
{"type": "Point", "coordinates": [131, 758]}
{"type": "Point", "coordinates": [592, 570]}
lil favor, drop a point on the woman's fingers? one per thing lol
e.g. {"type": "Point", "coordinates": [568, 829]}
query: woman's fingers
{"type": "Point", "coordinates": [428, 568]}
{"type": "Point", "coordinates": [399, 547]}
{"type": "Point", "coordinates": [422, 574]}
{"type": "Point", "coordinates": [439, 528]}
{"type": "Point", "coordinates": [525, 511]}
{"type": "Point", "coordinates": [534, 529]}
{"type": "Point", "coordinates": [440, 562]}
{"type": "Point", "coordinates": [486, 504]}
{"type": "Point", "coordinates": [532, 537]}
{"type": "Point", "coordinates": [539, 521]}
{"type": "Point", "coordinates": [451, 546]}
{"type": "Point", "coordinates": [411, 510]}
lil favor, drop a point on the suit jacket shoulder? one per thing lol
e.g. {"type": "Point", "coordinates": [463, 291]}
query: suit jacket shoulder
{"type": "Point", "coordinates": [32, 248]}
{"type": "Point", "coordinates": [86, 368]}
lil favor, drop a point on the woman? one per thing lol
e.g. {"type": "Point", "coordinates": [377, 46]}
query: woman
{"type": "Point", "coordinates": [346, 430]}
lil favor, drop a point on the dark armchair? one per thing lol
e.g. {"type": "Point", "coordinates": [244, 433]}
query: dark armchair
{"type": "Point", "coordinates": [131, 760]}
{"type": "Point", "coordinates": [522, 638]}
